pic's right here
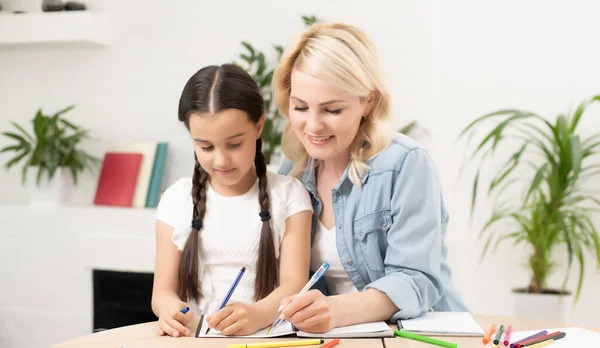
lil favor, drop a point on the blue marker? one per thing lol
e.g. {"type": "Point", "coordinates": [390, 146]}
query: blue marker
{"type": "Point", "coordinates": [231, 289]}
{"type": "Point", "coordinates": [185, 310]}
{"type": "Point", "coordinates": [312, 281]}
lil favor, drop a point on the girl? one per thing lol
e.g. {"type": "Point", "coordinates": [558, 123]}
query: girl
{"type": "Point", "coordinates": [231, 214]}
{"type": "Point", "coordinates": [379, 216]}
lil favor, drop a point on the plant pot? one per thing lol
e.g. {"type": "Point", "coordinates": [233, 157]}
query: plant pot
{"type": "Point", "coordinates": [49, 193]}
{"type": "Point", "coordinates": [549, 306]}
{"type": "Point", "coordinates": [22, 5]}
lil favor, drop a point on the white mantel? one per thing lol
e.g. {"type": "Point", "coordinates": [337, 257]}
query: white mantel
{"type": "Point", "coordinates": [48, 254]}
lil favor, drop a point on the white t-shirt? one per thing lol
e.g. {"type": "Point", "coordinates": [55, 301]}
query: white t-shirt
{"type": "Point", "coordinates": [231, 232]}
{"type": "Point", "coordinates": [324, 250]}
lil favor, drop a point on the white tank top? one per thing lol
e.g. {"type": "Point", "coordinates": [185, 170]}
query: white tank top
{"type": "Point", "coordinates": [325, 250]}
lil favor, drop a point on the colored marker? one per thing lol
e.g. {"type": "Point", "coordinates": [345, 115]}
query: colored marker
{"type": "Point", "coordinates": [499, 335]}
{"type": "Point", "coordinates": [541, 344]}
{"type": "Point", "coordinates": [429, 340]}
{"type": "Point", "coordinates": [276, 344]}
{"type": "Point", "coordinates": [507, 336]}
{"type": "Point", "coordinates": [318, 274]}
{"type": "Point", "coordinates": [490, 332]}
{"type": "Point", "coordinates": [553, 336]}
{"type": "Point", "coordinates": [331, 343]}
{"type": "Point", "coordinates": [230, 292]}
{"type": "Point", "coordinates": [539, 334]}
{"type": "Point", "coordinates": [185, 310]}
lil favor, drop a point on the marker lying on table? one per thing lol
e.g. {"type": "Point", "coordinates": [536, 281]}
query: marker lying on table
{"type": "Point", "coordinates": [499, 335]}
{"type": "Point", "coordinates": [318, 274]}
{"type": "Point", "coordinates": [330, 343]}
{"type": "Point", "coordinates": [429, 340]}
{"type": "Point", "coordinates": [507, 336]}
{"type": "Point", "coordinates": [539, 334]}
{"type": "Point", "coordinates": [277, 344]}
{"type": "Point", "coordinates": [489, 334]}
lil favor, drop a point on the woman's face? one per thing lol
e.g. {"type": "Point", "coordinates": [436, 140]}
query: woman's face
{"type": "Point", "coordinates": [324, 118]}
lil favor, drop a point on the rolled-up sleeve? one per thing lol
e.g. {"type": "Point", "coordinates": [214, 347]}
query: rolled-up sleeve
{"type": "Point", "coordinates": [413, 257]}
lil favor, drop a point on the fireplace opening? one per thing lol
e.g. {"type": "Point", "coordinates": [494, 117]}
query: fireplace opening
{"type": "Point", "coordinates": [121, 299]}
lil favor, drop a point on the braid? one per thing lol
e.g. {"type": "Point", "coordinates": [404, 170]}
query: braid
{"type": "Point", "coordinates": [189, 280]}
{"type": "Point", "coordinates": [266, 274]}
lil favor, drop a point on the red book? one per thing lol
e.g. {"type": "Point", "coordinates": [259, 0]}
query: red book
{"type": "Point", "coordinates": [118, 179]}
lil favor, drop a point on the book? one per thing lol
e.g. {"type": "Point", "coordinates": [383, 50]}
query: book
{"type": "Point", "coordinates": [118, 179]}
{"type": "Point", "coordinates": [442, 324]}
{"type": "Point", "coordinates": [148, 150]}
{"type": "Point", "coordinates": [376, 329]}
{"type": "Point", "coordinates": [157, 174]}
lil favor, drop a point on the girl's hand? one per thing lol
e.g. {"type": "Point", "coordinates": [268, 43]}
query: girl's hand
{"type": "Point", "coordinates": [235, 319]}
{"type": "Point", "coordinates": [172, 322]}
{"type": "Point", "coordinates": [311, 311]}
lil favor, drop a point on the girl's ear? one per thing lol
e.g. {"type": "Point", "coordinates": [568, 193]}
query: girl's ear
{"type": "Point", "coordinates": [260, 125]}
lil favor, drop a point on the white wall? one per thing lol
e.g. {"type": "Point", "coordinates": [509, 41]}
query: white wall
{"type": "Point", "coordinates": [130, 90]}
{"type": "Point", "coordinates": [447, 62]}
{"type": "Point", "coordinates": [535, 55]}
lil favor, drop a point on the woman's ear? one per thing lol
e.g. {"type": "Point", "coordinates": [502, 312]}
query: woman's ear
{"type": "Point", "coordinates": [370, 101]}
{"type": "Point", "coordinates": [260, 125]}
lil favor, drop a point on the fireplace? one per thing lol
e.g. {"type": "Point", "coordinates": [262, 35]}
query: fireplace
{"type": "Point", "coordinates": [121, 298]}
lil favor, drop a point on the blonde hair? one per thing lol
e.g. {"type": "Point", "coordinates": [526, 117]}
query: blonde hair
{"type": "Point", "coordinates": [345, 57]}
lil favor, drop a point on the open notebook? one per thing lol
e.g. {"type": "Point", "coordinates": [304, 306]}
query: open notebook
{"type": "Point", "coordinates": [442, 324]}
{"type": "Point", "coordinates": [375, 329]}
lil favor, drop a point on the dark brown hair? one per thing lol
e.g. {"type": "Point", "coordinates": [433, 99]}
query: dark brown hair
{"type": "Point", "coordinates": [208, 91]}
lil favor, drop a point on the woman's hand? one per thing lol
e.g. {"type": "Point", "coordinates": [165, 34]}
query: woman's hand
{"type": "Point", "coordinates": [235, 319]}
{"type": "Point", "coordinates": [311, 311]}
{"type": "Point", "coordinates": [172, 322]}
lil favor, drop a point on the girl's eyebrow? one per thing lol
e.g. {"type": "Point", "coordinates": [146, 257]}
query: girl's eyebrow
{"type": "Point", "coordinates": [230, 137]}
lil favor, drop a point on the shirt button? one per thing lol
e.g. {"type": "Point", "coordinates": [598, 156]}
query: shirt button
{"type": "Point", "coordinates": [360, 234]}
{"type": "Point", "coordinates": [337, 194]}
{"type": "Point", "coordinates": [349, 263]}
{"type": "Point", "coordinates": [384, 225]}
{"type": "Point", "coordinates": [340, 227]}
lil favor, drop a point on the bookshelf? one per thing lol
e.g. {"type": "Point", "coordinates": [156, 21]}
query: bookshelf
{"type": "Point", "coordinates": [77, 27]}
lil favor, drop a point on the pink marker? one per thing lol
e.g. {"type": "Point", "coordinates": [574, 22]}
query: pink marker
{"type": "Point", "coordinates": [507, 335]}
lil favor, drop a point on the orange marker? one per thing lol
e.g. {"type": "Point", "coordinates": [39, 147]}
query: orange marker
{"type": "Point", "coordinates": [331, 343]}
{"type": "Point", "coordinates": [487, 337]}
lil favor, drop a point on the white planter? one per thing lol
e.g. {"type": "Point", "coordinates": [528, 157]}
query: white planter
{"type": "Point", "coordinates": [549, 307]}
{"type": "Point", "coordinates": [22, 5]}
{"type": "Point", "coordinates": [53, 193]}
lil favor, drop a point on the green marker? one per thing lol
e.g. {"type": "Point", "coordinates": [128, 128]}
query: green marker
{"type": "Point", "coordinates": [412, 336]}
{"type": "Point", "coordinates": [499, 335]}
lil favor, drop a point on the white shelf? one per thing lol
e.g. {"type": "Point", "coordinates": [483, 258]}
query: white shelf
{"type": "Point", "coordinates": [54, 27]}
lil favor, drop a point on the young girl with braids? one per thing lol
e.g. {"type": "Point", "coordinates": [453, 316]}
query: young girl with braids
{"type": "Point", "coordinates": [231, 214]}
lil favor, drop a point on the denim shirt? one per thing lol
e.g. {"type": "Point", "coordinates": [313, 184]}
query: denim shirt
{"type": "Point", "coordinates": [391, 229]}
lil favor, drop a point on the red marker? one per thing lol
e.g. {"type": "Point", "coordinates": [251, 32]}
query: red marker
{"type": "Point", "coordinates": [331, 343]}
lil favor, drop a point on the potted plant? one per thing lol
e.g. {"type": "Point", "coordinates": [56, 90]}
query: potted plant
{"type": "Point", "coordinates": [256, 64]}
{"type": "Point", "coordinates": [50, 158]}
{"type": "Point", "coordinates": [553, 162]}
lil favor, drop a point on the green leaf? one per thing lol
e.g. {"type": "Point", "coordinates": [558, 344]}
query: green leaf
{"type": "Point", "coordinates": [16, 137]}
{"type": "Point", "coordinates": [249, 47]}
{"type": "Point", "coordinates": [25, 133]}
{"type": "Point", "coordinates": [15, 148]}
{"type": "Point", "coordinates": [69, 124]}
{"type": "Point", "coordinates": [266, 80]}
{"type": "Point", "coordinates": [537, 179]}
{"type": "Point", "coordinates": [63, 111]}
{"type": "Point", "coordinates": [16, 159]}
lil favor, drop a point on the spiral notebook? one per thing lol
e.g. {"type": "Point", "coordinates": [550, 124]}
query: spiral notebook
{"type": "Point", "coordinates": [442, 324]}
{"type": "Point", "coordinates": [375, 329]}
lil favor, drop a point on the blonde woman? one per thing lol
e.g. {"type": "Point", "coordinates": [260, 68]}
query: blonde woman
{"type": "Point", "coordinates": [379, 218]}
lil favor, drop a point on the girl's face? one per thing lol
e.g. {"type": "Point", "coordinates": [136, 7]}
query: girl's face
{"type": "Point", "coordinates": [225, 146]}
{"type": "Point", "coordinates": [324, 118]}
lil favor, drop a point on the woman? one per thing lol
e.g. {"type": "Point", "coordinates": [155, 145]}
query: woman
{"type": "Point", "coordinates": [378, 215]}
